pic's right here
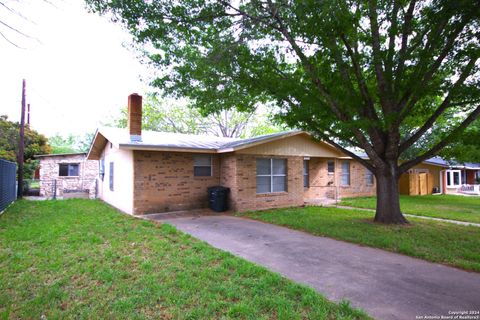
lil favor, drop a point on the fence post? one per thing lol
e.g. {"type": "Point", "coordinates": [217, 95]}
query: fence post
{"type": "Point", "coordinates": [54, 189]}
{"type": "Point", "coordinates": [96, 188]}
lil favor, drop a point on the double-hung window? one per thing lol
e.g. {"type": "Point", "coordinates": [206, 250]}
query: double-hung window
{"type": "Point", "coordinates": [306, 174]}
{"type": "Point", "coordinates": [68, 169]}
{"type": "Point", "coordinates": [345, 175]}
{"type": "Point", "coordinates": [369, 177]}
{"type": "Point", "coordinates": [271, 175]}
{"type": "Point", "coordinates": [202, 166]}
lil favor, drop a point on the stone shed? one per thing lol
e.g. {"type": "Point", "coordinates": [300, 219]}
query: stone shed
{"type": "Point", "coordinates": [68, 176]}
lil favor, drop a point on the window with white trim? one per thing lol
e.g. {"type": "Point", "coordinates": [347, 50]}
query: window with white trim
{"type": "Point", "coordinates": [306, 174]}
{"type": "Point", "coordinates": [271, 175]}
{"type": "Point", "coordinates": [454, 178]}
{"type": "Point", "coordinates": [345, 175]}
{"type": "Point", "coordinates": [202, 166]}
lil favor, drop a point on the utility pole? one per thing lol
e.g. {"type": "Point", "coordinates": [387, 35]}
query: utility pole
{"type": "Point", "coordinates": [21, 145]}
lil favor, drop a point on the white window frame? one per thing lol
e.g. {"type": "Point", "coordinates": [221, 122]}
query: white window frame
{"type": "Point", "coordinates": [209, 166]}
{"type": "Point", "coordinates": [450, 173]}
{"type": "Point", "coordinates": [271, 175]}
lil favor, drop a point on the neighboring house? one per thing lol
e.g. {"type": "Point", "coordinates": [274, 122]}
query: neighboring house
{"type": "Point", "coordinates": [67, 175]}
{"type": "Point", "coordinates": [443, 177]}
{"type": "Point", "coordinates": [146, 172]}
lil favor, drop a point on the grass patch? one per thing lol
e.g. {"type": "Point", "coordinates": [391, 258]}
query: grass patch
{"type": "Point", "coordinates": [459, 208]}
{"type": "Point", "coordinates": [83, 259]}
{"type": "Point", "coordinates": [445, 243]}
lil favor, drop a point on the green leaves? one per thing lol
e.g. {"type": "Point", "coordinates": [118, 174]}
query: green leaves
{"type": "Point", "coordinates": [178, 116]}
{"type": "Point", "coordinates": [366, 74]}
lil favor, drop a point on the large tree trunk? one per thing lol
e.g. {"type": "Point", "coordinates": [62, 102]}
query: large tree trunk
{"type": "Point", "coordinates": [388, 200]}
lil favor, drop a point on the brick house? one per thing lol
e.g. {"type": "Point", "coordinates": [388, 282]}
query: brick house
{"type": "Point", "coordinates": [147, 172]}
{"type": "Point", "coordinates": [67, 175]}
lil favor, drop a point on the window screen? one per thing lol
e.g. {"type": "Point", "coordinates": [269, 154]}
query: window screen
{"type": "Point", "coordinates": [271, 175]}
{"type": "Point", "coordinates": [345, 176]}
{"type": "Point", "coordinates": [202, 166]}
{"type": "Point", "coordinates": [306, 174]}
{"type": "Point", "coordinates": [68, 169]}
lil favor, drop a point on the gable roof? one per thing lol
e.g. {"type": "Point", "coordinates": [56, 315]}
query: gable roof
{"type": "Point", "coordinates": [168, 141]}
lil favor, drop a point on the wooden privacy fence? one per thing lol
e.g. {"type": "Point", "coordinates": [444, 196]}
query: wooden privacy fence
{"type": "Point", "coordinates": [8, 189]}
{"type": "Point", "coordinates": [416, 183]}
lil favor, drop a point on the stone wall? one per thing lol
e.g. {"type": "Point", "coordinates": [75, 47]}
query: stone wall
{"type": "Point", "coordinates": [52, 184]}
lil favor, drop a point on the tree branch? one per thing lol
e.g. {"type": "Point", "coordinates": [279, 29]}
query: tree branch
{"type": "Point", "coordinates": [406, 31]}
{"type": "Point", "coordinates": [411, 96]}
{"type": "Point", "coordinates": [377, 59]}
{"type": "Point", "coordinates": [439, 146]}
{"type": "Point", "coordinates": [440, 110]}
{"type": "Point", "coordinates": [364, 162]}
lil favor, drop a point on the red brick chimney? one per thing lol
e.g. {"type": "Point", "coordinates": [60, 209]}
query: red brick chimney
{"type": "Point", "coordinates": [135, 117]}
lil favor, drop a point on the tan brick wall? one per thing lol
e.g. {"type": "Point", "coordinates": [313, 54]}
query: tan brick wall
{"type": "Point", "coordinates": [245, 195]}
{"type": "Point", "coordinates": [324, 185]}
{"type": "Point", "coordinates": [228, 176]}
{"type": "Point", "coordinates": [164, 181]}
{"type": "Point", "coordinates": [358, 182]}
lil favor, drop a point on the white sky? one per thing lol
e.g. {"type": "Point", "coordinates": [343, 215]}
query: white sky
{"type": "Point", "coordinates": [78, 75]}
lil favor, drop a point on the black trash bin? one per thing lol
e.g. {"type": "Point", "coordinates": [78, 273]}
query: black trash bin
{"type": "Point", "coordinates": [218, 198]}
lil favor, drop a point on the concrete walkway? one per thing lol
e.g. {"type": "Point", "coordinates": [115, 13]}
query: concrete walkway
{"type": "Point", "coordinates": [463, 223]}
{"type": "Point", "coordinates": [384, 284]}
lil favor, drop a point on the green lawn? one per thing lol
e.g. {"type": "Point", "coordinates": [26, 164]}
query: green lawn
{"type": "Point", "coordinates": [430, 240]}
{"type": "Point", "coordinates": [83, 259]}
{"type": "Point", "coordinates": [441, 206]}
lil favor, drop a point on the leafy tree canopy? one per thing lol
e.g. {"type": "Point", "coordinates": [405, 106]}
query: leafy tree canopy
{"type": "Point", "coordinates": [70, 143]}
{"type": "Point", "coordinates": [375, 75]}
{"type": "Point", "coordinates": [467, 147]}
{"type": "Point", "coordinates": [35, 143]}
{"type": "Point", "coordinates": [176, 116]}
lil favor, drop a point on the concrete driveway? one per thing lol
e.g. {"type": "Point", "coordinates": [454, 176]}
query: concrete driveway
{"type": "Point", "coordinates": [384, 284]}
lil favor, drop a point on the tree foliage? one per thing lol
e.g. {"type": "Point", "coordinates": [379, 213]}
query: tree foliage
{"type": "Point", "coordinates": [35, 144]}
{"type": "Point", "coordinates": [467, 146]}
{"type": "Point", "coordinates": [70, 143]}
{"type": "Point", "coordinates": [177, 116]}
{"type": "Point", "coordinates": [375, 75]}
